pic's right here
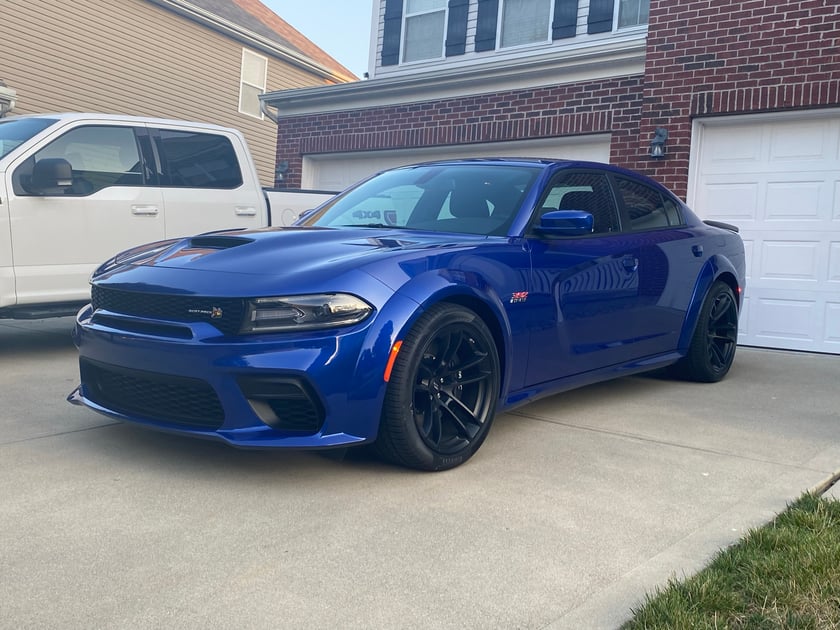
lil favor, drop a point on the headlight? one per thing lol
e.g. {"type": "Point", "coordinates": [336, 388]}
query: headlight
{"type": "Point", "coordinates": [304, 312]}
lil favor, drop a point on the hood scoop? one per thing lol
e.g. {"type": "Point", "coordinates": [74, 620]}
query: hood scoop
{"type": "Point", "coordinates": [218, 242]}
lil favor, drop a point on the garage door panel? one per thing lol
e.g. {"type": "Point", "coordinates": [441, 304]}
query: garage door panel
{"type": "Point", "coordinates": [832, 326]}
{"type": "Point", "coordinates": [735, 201]}
{"type": "Point", "coordinates": [790, 260]}
{"type": "Point", "coordinates": [796, 199]}
{"type": "Point", "coordinates": [834, 265]}
{"type": "Point", "coordinates": [802, 141]}
{"type": "Point", "coordinates": [785, 320]}
{"type": "Point", "coordinates": [783, 190]}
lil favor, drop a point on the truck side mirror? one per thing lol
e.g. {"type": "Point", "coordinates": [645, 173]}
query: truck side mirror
{"type": "Point", "coordinates": [51, 175]}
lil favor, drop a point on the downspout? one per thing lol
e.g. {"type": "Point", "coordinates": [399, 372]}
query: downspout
{"type": "Point", "coordinates": [264, 111]}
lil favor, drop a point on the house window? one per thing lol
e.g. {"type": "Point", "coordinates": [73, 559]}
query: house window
{"type": "Point", "coordinates": [252, 83]}
{"type": "Point", "coordinates": [525, 22]}
{"type": "Point", "coordinates": [425, 29]}
{"type": "Point", "coordinates": [633, 12]}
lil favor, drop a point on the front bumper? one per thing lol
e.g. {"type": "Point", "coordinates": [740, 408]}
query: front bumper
{"type": "Point", "coordinates": [304, 390]}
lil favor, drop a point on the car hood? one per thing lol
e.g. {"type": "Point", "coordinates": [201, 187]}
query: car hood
{"type": "Point", "coordinates": [303, 256]}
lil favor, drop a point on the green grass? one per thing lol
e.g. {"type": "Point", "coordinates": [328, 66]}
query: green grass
{"type": "Point", "coordinates": [783, 575]}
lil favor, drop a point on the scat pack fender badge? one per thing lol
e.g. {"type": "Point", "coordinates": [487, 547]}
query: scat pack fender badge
{"type": "Point", "coordinates": [518, 296]}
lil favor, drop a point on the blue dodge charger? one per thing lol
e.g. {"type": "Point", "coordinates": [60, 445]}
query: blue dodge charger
{"type": "Point", "coordinates": [410, 309]}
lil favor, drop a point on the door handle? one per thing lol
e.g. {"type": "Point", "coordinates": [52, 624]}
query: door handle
{"type": "Point", "coordinates": [697, 250]}
{"type": "Point", "coordinates": [245, 211]}
{"type": "Point", "coordinates": [144, 210]}
{"type": "Point", "coordinates": [631, 263]}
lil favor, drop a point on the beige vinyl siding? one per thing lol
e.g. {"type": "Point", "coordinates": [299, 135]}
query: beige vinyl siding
{"type": "Point", "coordinates": [133, 57]}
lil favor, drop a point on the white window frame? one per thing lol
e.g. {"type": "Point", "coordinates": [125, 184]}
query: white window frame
{"type": "Point", "coordinates": [617, 12]}
{"type": "Point", "coordinates": [404, 32]}
{"type": "Point", "coordinates": [501, 27]}
{"type": "Point", "coordinates": [252, 57]}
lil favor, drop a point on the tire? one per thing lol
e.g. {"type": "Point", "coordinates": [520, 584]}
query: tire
{"type": "Point", "coordinates": [441, 398]}
{"type": "Point", "coordinates": [713, 344]}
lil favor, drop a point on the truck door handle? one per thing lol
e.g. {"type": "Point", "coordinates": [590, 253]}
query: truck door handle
{"type": "Point", "coordinates": [144, 210]}
{"type": "Point", "coordinates": [245, 211]}
{"type": "Point", "coordinates": [631, 263]}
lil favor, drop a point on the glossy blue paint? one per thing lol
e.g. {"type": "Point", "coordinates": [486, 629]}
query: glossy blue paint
{"type": "Point", "coordinates": [564, 311]}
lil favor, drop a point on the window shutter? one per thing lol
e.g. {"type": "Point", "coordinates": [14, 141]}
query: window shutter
{"type": "Point", "coordinates": [565, 19]}
{"type": "Point", "coordinates": [600, 16]}
{"type": "Point", "coordinates": [485, 32]}
{"type": "Point", "coordinates": [456, 29]}
{"type": "Point", "coordinates": [392, 32]}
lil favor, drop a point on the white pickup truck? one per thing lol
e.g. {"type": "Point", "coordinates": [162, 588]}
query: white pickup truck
{"type": "Point", "coordinates": [77, 188]}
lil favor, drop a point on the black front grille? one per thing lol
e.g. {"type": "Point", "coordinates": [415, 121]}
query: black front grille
{"type": "Point", "coordinates": [226, 314]}
{"type": "Point", "coordinates": [174, 399]}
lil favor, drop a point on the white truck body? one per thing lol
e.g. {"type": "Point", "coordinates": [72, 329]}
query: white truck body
{"type": "Point", "coordinates": [75, 189]}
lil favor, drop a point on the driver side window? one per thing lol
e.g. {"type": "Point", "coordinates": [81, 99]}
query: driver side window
{"type": "Point", "coordinates": [99, 156]}
{"type": "Point", "coordinates": [589, 192]}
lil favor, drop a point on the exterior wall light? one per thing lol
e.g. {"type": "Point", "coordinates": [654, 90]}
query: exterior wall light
{"type": "Point", "coordinates": [657, 145]}
{"type": "Point", "coordinates": [7, 99]}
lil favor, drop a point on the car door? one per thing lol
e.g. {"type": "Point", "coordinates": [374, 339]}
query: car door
{"type": "Point", "coordinates": [206, 185]}
{"type": "Point", "coordinates": [669, 256]}
{"type": "Point", "coordinates": [585, 289]}
{"type": "Point", "coordinates": [60, 234]}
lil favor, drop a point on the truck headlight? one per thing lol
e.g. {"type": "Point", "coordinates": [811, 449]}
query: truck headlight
{"type": "Point", "coordinates": [304, 312]}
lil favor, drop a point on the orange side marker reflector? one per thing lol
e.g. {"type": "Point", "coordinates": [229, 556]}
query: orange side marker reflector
{"type": "Point", "coordinates": [395, 350]}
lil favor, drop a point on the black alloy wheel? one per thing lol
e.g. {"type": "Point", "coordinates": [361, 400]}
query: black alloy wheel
{"type": "Point", "coordinates": [442, 397]}
{"type": "Point", "coordinates": [715, 339]}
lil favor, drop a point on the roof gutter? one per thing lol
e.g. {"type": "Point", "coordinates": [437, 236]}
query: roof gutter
{"type": "Point", "coordinates": [622, 58]}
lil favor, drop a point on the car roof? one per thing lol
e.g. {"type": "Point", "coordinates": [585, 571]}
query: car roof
{"type": "Point", "coordinates": [542, 162]}
{"type": "Point", "coordinates": [99, 117]}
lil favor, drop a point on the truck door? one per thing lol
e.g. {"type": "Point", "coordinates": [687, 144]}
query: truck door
{"type": "Point", "coordinates": [209, 182]}
{"type": "Point", "coordinates": [92, 203]}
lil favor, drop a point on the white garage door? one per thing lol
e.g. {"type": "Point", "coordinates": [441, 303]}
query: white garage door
{"type": "Point", "coordinates": [337, 171]}
{"type": "Point", "coordinates": [778, 179]}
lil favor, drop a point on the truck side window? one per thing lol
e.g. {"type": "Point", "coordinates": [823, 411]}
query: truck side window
{"type": "Point", "coordinates": [198, 160]}
{"type": "Point", "coordinates": [99, 156]}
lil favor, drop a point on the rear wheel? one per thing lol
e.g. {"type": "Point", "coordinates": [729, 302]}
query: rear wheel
{"type": "Point", "coordinates": [713, 345]}
{"type": "Point", "coordinates": [441, 398]}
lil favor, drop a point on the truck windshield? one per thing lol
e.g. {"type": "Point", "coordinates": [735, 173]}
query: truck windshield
{"type": "Point", "coordinates": [15, 131]}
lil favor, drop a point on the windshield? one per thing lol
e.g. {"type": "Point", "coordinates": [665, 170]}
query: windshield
{"type": "Point", "coordinates": [470, 198]}
{"type": "Point", "coordinates": [15, 131]}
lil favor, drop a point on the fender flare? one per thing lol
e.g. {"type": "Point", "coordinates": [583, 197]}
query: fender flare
{"type": "Point", "coordinates": [714, 268]}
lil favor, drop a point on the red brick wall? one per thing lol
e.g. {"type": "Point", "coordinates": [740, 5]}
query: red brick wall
{"type": "Point", "coordinates": [566, 110]}
{"type": "Point", "coordinates": [704, 57]}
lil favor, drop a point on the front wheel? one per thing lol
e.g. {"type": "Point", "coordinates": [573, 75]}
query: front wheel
{"type": "Point", "coordinates": [713, 345]}
{"type": "Point", "coordinates": [441, 397]}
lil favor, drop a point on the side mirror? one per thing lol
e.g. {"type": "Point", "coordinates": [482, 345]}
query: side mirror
{"type": "Point", "coordinates": [50, 174]}
{"type": "Point", "coordinates": [566, 223]}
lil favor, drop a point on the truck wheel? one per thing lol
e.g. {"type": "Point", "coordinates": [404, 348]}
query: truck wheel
{"type": "Point", "coordinates": [441, 397]}
{"type": "Point", "coordinates": [713, 345]}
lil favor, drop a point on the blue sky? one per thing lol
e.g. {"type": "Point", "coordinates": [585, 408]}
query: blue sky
{"type": "Point", "coordinates": [341, 28]}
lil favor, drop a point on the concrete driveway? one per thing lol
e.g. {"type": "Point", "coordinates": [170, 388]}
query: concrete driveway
{"type": "Point", "coordinates": [574, 508]}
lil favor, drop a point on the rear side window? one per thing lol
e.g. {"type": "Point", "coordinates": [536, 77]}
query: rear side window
{"type": "Point", "coordinates": [198, 160]}
{"type": "Point", "coordinates": [646, 207]}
